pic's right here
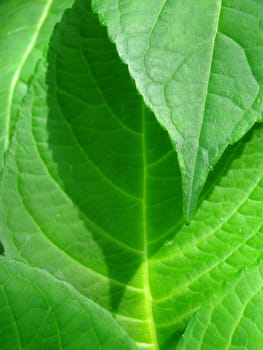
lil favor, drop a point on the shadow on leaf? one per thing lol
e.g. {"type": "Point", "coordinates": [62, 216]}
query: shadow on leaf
{"type": "Point", "coordinates": [114, 160]}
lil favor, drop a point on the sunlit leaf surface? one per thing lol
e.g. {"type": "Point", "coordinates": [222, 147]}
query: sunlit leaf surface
{"type": "Point", "coordinates": [232, 320]}
{"type": "Point", "coordinates": [198, 65]}
{"type": "Point", "coordinates": [40, 312]}
{"type": "Point", "coordinates": [91, 192]}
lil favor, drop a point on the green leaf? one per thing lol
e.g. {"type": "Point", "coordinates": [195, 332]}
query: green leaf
{"type": "Point", "coordinates": [88, 173]}
{"type": "Point", "coordinates": [225, 235]}
{"type": "Point", "coordinates": [232, 320]}
{"type": "Point", "coordinates": [40, 312]}
{"type": "Point", "coordinates": [91, 193]}
{"type": "Point", "coordinates": [199, 67]}
{"type": "Point", "coordinates": [26, 27]}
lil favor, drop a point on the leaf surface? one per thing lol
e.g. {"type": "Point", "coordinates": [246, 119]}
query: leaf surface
{"type": "Point", "coordinates": [86, 161]}
{"type": "Point", "coordinates": [91, 192]}
{"type": "Point", "coordinates": [26, 27]}
{"type": "Point", "coordinates": [199, 67]}
{"type": "Point", "coordinates": [225, 236]}
{"type": "Point", "coordinates": [232, 320]}
{"type": "Point", "coordinates": [40, 312]}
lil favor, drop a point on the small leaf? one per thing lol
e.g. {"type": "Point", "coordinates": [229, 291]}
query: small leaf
{"type": "Point", "coordinates": [232, 320]}
{"type": "Point", "coordinates": [40, 312]}
{"type": "Point", "coordinates": [199, 67]}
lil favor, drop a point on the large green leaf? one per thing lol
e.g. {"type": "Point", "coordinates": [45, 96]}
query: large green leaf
{"type": "Point", "coordinates": [198, 65]}
{"type": "Point", "coordinates": [26, 27]}
{"type": "Point", "coordinates": [232, 320]}
{"type": "Point", "coordinates": [40, 312]}
{"type": "Point", "coordinates": [91, 192]}
{"type": "Point", "coordinates": [86, 164]}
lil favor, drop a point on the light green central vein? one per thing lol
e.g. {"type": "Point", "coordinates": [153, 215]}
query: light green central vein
{"type": "Point", "coordinates": [147, 289]}
{"type": "Point", "coordinates": [19, 69]}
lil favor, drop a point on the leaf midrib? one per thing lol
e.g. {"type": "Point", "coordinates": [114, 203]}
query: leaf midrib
{"type": "Point", "coordinates": [147, 288]}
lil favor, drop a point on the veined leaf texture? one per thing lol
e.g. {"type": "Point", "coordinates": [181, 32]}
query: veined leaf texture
{"type": "Point", "coordinates": [199, 67]}
{"type": "Point", "coordinates": [91, 216]}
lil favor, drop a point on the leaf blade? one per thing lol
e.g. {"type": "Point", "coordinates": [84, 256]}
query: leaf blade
{"type": "Point", "coordinates": [70, 187]}
{"type": "Point", "coordinates": [182, 72]}
{"type": "Point", "coordinates": [222, 239]}
{"type": "Point", "coordinates": [26, 28]}
{"type": "Point", "coordinates": [77, 144]}
{"type": "Point", "coordinates": [43, 312]}
{"type": "Point", "coordinates": [233, 319]}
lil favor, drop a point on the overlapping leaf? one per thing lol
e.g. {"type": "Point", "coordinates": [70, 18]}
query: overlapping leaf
{"type": "Point", "coordinates": [199, 67]}
{"type": "Point", "coordinates": [26, 27]}
{"type": "Point", "coordinates": [225, 236]}
{"type": "Point", "coordinates": [232, 320]}
{"type": "Point", "coordinates": [39, 312]}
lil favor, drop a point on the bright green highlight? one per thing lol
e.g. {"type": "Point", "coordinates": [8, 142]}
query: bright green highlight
{"type": "Point", "coordinates": [232, 320]}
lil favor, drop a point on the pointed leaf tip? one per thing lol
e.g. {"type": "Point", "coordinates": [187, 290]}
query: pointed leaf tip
{"type": "Point", "coordinates": [189, 208]}
{"type": "Point", "coordinates": [191, 78]}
